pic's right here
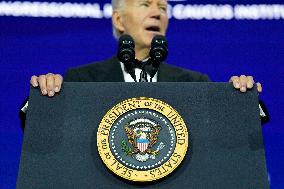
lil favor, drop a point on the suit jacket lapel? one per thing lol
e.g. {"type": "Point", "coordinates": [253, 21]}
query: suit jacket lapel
{"type": "Point", "coordinates": [165, 74]}
{"type": "Point", "coordinates": [115, 70]}
{"type": "Point", "coordinates": [110, 71]}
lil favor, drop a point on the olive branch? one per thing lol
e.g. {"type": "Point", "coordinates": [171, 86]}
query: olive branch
{"type": "Point", "coordinates": [126, 149]}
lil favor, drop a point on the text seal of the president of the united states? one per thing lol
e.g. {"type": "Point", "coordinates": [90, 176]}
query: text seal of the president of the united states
{"type": "Point", "coordinates": [142, 139]}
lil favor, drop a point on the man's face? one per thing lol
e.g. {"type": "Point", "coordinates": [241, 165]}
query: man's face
{"type": "Point", "coordinates": [143, 19]}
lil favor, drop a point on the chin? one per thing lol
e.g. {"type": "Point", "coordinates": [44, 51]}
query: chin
{"type": "Point", "coordinates": [150, 37]}
{"type": "Point", "coordinates": [147, 42]}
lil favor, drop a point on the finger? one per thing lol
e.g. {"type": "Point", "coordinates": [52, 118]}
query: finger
{"type": "Point", "coordinates": [259, 87]}
{"type": "Point", "coordinates": [243, 83]}
{"type": "Point", "coordinates": [33, 81]}
{"type": "Point", "coordinates": [236, 81]}
{"type": "Point", "coordinates": [42, 84]}
{"type": "Point", "coordinates": [58, 79]}
{"type": "Point", "coordinates": [50, 84]}
{"type": "Point", "coordinates": [250, 82]}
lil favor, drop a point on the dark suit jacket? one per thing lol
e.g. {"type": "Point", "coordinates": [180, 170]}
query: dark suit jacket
{"type": "Point", "coordinates": [110, 71]}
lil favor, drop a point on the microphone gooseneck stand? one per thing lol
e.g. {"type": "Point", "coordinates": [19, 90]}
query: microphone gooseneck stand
{"type": "Point", "coordinates": [126, 54]}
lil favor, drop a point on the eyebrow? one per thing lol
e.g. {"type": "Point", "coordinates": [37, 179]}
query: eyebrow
{"type": "Point", "coordinates": [160, 1]}
{"type": "Point", "coordinates": [163, 1]}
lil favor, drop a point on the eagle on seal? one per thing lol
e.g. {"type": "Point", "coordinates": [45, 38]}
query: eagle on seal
{"type": "Point", "coordinates": [142, 136]}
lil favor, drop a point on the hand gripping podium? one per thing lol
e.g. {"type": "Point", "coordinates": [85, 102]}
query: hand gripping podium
{"type": "Point", "coordinates": [63, 140]}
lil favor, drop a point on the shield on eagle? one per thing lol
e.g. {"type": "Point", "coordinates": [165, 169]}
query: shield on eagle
{"type": "Point", "coordinates": [142, 144]}
{"type": "Point", "coordinates": [142, 134]}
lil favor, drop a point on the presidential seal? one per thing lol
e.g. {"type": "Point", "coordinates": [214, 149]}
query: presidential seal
{"type": "Point", "coordinates": [142, 139]}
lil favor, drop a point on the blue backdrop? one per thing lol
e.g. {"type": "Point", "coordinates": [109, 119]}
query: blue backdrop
{"type": "Point", "coordinates": [222, 39]}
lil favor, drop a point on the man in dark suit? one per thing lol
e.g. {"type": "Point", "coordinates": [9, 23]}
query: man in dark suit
{"type": "Point", "coordinates": [142, 19]}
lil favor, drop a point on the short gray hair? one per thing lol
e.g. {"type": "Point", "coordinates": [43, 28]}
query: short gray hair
{"type": "Point", "coordinates": [117, 5]}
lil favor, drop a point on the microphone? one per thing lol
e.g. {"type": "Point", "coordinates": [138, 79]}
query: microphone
{"type": "Point", "coordinates": [126, 53]}
{"type": "Point", "coordinates": [158, 52]}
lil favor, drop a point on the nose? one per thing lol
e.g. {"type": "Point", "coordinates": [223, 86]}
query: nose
{"type": "Point", "coordinates": [155, 12]}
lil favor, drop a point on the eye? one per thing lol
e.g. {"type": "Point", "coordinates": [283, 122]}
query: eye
{"type": "Point", "coordinates": [163, 8]}
{"type": "Point", "coordinates": [145, 4]}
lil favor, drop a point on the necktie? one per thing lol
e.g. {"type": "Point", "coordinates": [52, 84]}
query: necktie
{"type": "Point", "coordinates": [146, 66]}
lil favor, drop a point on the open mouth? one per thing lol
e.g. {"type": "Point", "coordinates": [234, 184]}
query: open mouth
{"type": "Point", "coordinates": [153, 29]}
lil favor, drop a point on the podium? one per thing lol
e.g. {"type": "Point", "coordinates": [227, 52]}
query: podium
{"type": "Point", "coordinates": [225, 146]}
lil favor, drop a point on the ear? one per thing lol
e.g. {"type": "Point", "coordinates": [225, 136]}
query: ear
{"type": "Point", "coordinates": [117, 21]}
